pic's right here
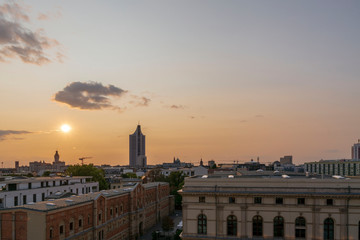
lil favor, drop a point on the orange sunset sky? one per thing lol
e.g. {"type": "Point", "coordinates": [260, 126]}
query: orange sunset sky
{"type": "Point", "coordinates": [221, 80]}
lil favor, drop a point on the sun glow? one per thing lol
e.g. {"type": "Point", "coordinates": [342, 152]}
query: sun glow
{"type": "Point", "coordinates": [65, 128]}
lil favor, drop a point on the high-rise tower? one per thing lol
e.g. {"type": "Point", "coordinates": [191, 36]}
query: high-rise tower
{"type": "Point", "coordinates": [355, 151]}
{"type": "Point", "coordinates": [137, 157]}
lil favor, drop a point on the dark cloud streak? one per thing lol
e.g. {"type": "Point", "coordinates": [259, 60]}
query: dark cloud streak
{"type": "Point", "coordinates": [177, 106]}
{"type": "Point", "coordinates": [5, 133]}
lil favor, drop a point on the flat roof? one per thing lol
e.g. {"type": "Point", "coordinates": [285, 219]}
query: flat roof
{"type": "Point", "coordinates": [41, 179]}
{"type": "Point", "coordinates": [54, 204]}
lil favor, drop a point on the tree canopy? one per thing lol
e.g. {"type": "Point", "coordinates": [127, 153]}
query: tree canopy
{"type": "Point", "coordinates": [129, 175]}
{"type": "Point", "coordinates": [97, 174]}
{"type": "Point", "coordinates": [167, 223]}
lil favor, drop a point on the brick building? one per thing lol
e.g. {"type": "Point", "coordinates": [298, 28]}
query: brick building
{"type": "Point", "coordinates": [123, 213]}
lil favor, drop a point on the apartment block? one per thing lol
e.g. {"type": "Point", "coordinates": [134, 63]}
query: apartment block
{"type": "Point", "coordinates": [20, 191]}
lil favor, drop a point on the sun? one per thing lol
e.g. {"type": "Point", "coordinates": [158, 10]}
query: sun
{"type": "Point", "coordinates": [65, 128]}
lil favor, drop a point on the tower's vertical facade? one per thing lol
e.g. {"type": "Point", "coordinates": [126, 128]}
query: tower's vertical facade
{"type": "Point", "coordinates": [56, 157]}
{"type": "Point", "coordinates": [137, 157]}
{"type": "Point", "coordinates": [355, 151]}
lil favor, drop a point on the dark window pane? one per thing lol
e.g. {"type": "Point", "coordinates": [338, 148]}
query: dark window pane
{"type": "Point", "coordinates": [202, 224]}
{"type": "Point", "coordinates": [278, 226]}
{"type": "Point", "coordinates": [257, 226]}
{"type": "Point", "coordinates": [231, 225]}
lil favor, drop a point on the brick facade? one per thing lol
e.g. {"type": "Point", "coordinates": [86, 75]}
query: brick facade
{"type": "Point", "coordinates": [111, 214]}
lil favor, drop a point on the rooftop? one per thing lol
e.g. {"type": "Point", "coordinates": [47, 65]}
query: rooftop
{"type": "Point", "coordinates": [52, 204]}
{"type": "Point", "coordinates": [41, 179]}
{"type": "Point", "coordinates": [273, 185]}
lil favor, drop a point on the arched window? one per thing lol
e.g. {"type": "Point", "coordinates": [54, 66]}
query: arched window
{"type": "Point", "coordinates": [257, 225]}
{"type": "Point", "coordinates": [202, 228]}
{"type": "Point", "coordinates": [278, 226]}
{"type": "Point", "coordinates": [231, 225]}
{"type": "Point", "coordinates": [300, 227]}
{"type": "Point", "coordinates": [329, 229]}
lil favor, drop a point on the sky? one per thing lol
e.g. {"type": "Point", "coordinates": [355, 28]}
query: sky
{"type": "Point", "coordinates": [213, 80]}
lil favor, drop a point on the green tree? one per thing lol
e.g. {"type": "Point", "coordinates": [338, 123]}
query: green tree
{"type": "Point", "coordinates": [177, 234]}
{"type": "Point", "coordinates": [176, 182]}
{"type": "Point", "coordinates": [167, 223]}
{"type": "Point", "coordinates": [156, 176]}
{"type": "Point", "coordinates": [97, 174]}
{"type": "Point", "coordinates": [214, 166]}
{"type": "Point", "coordinates": [129, 175]}
{"type": "Point", "coordinates": [46, 174]}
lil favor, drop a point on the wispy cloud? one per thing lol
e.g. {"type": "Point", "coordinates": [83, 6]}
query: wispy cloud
{"type": "Point", "coordinates": [140, 101]}
{"type": "Point", "coordinates": [177, 106]}
{"type": "Point", "coordinates": [4, 134]}
{"type": "Point", "coordinates": [16, 40]}
{"type": "Point", "coordinates": [49, 15]}
{"type": "Point", "coordinates": [89, 96]}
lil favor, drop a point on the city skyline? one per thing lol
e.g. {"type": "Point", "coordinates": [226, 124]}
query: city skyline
{"type": "Point", "coordinates": [228, 82]}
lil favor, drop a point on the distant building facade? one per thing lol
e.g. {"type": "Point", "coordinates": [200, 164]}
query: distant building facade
{"type": "Point", "coordinates": [41, 166]}
{"type": "Point", "coordinates": [137, 156]}
{"type": "Point", "coordinates": [177, 164]}
{"type": "Point", "coordinates": [341, 167]}
{"type": "Point", "coordinates": [286, 160]}
{"type": "Point", "coordinates": [271, 208]}
{"type": "Point", "coordinates": [121, 214]}
{"type": "Point", "coordinates": [355, 151]}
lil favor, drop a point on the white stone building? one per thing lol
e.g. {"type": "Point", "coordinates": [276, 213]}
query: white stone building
{"type": "Point", "coordinates": [17, 192]}
{"type": "Point", "coordinates": [270, 208]}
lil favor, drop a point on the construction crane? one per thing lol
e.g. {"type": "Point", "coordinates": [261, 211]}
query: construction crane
{"type": "Point", "coordinates": [82, 159]}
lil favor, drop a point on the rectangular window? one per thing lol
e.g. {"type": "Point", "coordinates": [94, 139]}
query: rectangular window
{"type": "Point", "coordinates": [279, 200]}
{"type": "Point", "coordinates": [12, 187]}
{"type": "Point", "coordinates": [71, 226]}
{"type": "Point", "coordinates": [301, 201]}
{"type": "Point", "coordinates": [231, 199]}
{"type": "Point", "coordinates": [43, 197]}
{"type": "Point", "coordinates": [24, 199]}
{"type": "Point", "coordinates": [257, 200]}
{"type": "Point", "coordinates": [29, 185]}
{"type": "Point", "coordinates": [80, 222]}
{"type": "Point", "coordinates": [51, 233]}
{"type": "Point", "coordinates": [201, 199]}
{"type": "Point", "coordinates": [329, 202]}
{"type": "Point", "coordinates": [34, 197]}
{"type": "Point", "coordinates": [16, 201]}
{"type": "Point", "coordinates": [61, 229]}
